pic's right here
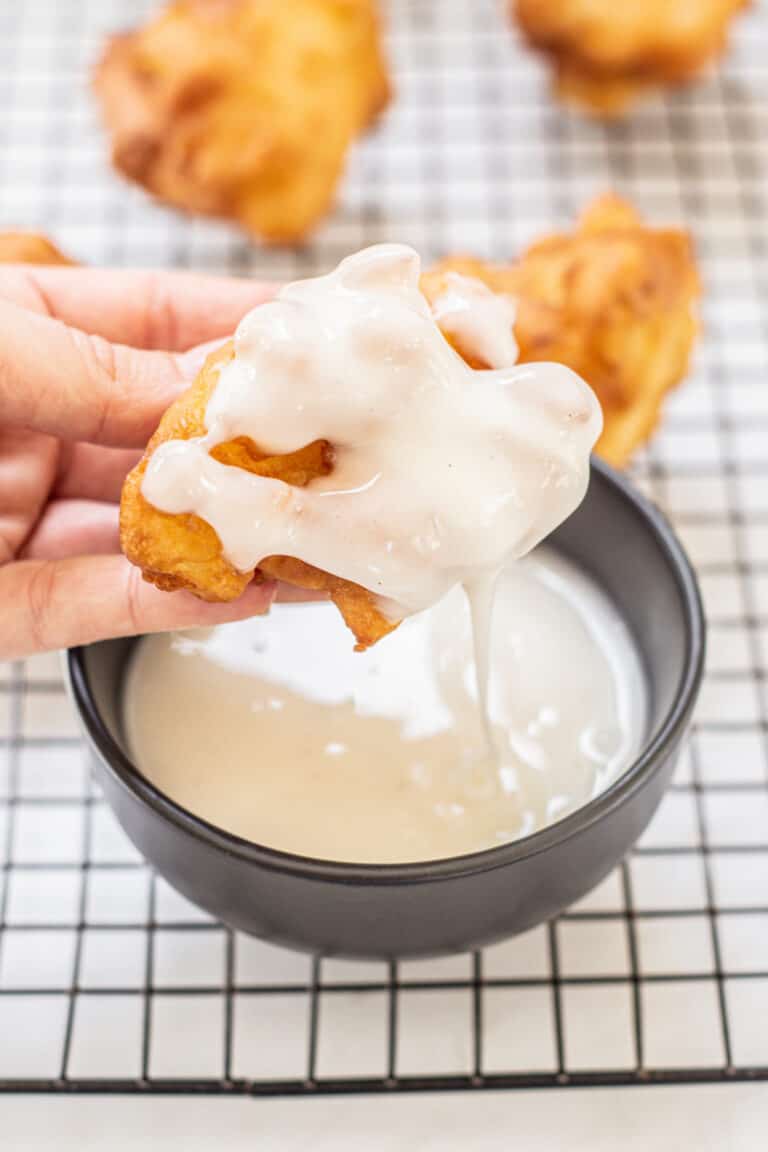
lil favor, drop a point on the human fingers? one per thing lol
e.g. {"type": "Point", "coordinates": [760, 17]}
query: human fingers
{"type": "Point", "coordinates": [194, 359]}
{"type": "Point", "coordinates": [74, 528]}
{"type": "Point", "coordinates": [47, 604]}
{"type": "Point", "coordinates": [291, 594]}
{"type": "Point", "coordinates": [143, 308]}
{"type": "Point", "coordinates": [90, 472]}
{"type": "Point", "coordinates": [28, 463]}
{"type": "Point", "coordinates": [61, 381]}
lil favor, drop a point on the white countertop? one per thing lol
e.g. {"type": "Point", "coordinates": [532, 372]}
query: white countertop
{"type": "Point", "coordinates": [708, 1118]}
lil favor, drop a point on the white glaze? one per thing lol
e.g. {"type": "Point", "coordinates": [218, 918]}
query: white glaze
{"type": "Point", "coordinates": [481, 321]}
{"type": "Point", "coordinates": [442, 474]}
{"type": "Point", "coordinates": [275, 730]}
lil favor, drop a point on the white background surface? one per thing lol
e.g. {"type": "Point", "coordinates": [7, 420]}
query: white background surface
{"type": "Point", "coordinates": [710, 1118]}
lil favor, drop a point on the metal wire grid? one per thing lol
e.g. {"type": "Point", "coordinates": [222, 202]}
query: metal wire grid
{"type": "Point", "coordinates": [111, 982]}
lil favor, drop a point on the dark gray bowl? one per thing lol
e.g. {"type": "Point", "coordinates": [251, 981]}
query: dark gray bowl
{"type": "Point", "coordinates": [446, 905]}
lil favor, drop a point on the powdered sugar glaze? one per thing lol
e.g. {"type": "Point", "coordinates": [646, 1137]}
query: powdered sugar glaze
{"type": "Point", "coordinates": [442, 474]}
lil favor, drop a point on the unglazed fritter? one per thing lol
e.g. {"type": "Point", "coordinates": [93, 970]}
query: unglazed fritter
{"type": "Point", "coordinates": [29, 248]}
{"type": "Point", "coordinates": [614, 301]}
{"type": "Point", "coordinates": [244, 108]}
{"type": "Point", "coordinates": [608, 53]}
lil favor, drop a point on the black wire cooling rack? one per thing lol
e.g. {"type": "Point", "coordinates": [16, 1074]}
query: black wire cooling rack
{"type": "Point", "coordinates": [109, 981]}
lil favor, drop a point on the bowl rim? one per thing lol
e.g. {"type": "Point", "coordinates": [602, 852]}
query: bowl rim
{"type": "Point", "coordinates": [649, 760]}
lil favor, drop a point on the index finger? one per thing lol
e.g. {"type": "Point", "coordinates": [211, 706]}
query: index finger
{"type": "Point", "coordinates": [140, 307]}
{"type": "Point", "coordinates": [68, 383]}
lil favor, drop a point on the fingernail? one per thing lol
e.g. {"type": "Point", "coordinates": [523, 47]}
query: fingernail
{"type": "Point", "coordinates": [192, 362]}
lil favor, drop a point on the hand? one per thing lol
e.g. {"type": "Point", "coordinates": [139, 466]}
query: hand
{"type": "Point", "coordinates": [81, 390]}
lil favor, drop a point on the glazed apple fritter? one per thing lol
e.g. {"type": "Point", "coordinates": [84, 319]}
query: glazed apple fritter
{"type": "Point", "coordinates": [184, 552]}
{"type": "Point", "coordinates": [614, 301]}
{"type": "Point", "coordinates": [244, 109]}
{"type": "Point", "coordinates": [29, 248]}
{"type": "Point", "coordinates": [609, 53]}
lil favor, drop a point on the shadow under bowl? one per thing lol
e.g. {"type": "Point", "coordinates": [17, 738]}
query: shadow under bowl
{"type": "Point", "coordinates": [383, 911]}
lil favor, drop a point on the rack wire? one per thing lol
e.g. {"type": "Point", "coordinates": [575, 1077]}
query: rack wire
{"type": "Point", "coordinates": [111, 982]}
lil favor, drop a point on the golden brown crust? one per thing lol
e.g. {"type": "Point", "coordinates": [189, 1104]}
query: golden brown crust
{"type": "Point", "coordinates": [29, 248]}
{"type": "Point", "coordinates": [183, 551]}
{"type": "Point", "coordinates": [607, 53]}
{"type": "Point", "coordinates": [615, 302]}
{"type": "Point", "coordinates": [244, 108]}
{"type": "Point", "coordinates": [435, 282]}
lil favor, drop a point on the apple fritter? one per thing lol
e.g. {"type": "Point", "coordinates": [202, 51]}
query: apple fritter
{"type": "Point", "coordinates": [29, 248]}
{"type": "Point", "coordinates": [606, 54]}
{"type": "Point", "coordinates": [244, 109]}
{"type": "Point", "coordinates": [183, 551]}
{"type": "Point", "coordinates": [614, 301]}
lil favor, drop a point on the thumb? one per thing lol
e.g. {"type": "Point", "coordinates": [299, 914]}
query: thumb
{"type": "Point", "coordinates": [61, 603]}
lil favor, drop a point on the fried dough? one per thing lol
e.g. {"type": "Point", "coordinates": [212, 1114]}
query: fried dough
{"type": "Point", "coordinates": [29, 248]}
{"type": "Point", "coordinates": [614, 301]}
{"type": "Point", "coordinates": [607, 54]}
{"type": "Point", "coordinates": [244, 109]}
{"type": "Point", "coordinates": [182, 551]}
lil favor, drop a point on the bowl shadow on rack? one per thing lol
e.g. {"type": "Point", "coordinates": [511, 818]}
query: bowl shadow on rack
{"type": "Point", "coordinates": [442, 906]}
